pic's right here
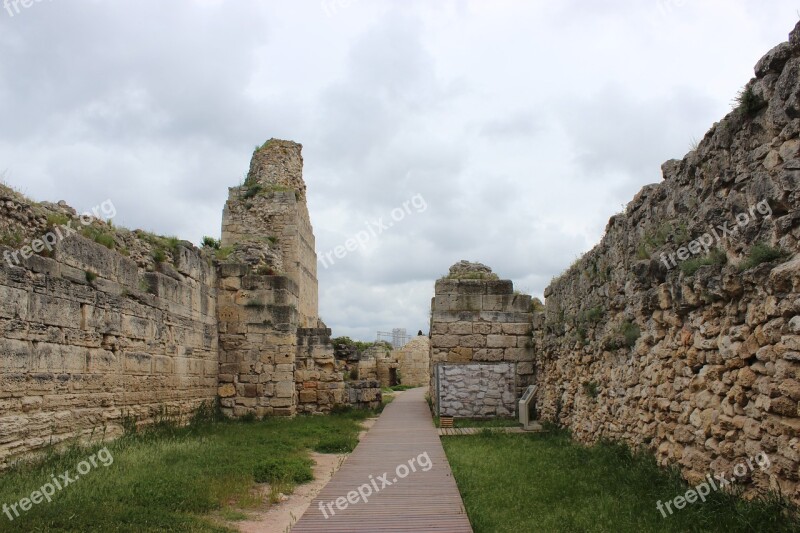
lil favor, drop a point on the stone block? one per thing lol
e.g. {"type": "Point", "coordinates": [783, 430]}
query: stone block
{"type": "Point", "coordinates": [524, 329]}
{"type": "Point", "coordinates": [307, 396]}
{"type": "Point", "coordinates": [446, 286]}
{"type": "Point", "coordinates": [467, 302]}
{"type": "Point", "coordinates": [134, 362]}
{"type": "Point", "coordinates": [502, 286]}
{"type": "Point", "coordinates": [16, 355]}
{"type": "Point", "coordinates": [460, 355]}
{"type": "Point", "coordinates": [445, 341]}
{"type": "Point", "coordinates": [460, 328]}
{"type": "Point", "coordinates": [284, 389]}
{"type": "Point", "coordinates": [501, 341]}
{"type": "Point", "coordinates": [473, 341]}
{"type": "Point", "coordinates": [489, 354]}
{"type": "Point", "coordinates": [226, 391]}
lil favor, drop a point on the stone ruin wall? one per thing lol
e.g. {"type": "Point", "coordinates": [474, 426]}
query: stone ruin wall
{"type": "Point", "coordinates": [258, 342]}
{"type": "Point", "coordinates": [79, 356]}
{"type": "Point", "coordinates": [411, 362]}
{"type": "Point", "coordinates": [268, 216]}
{"type": "Point", "coordinates": [700, 366]}
{"type": "Point", "coordinates": [94, 335]}
{"type": "Point", "coordinates": [481, 349]}
{"type": "Point", "coordinates": [276, 357]}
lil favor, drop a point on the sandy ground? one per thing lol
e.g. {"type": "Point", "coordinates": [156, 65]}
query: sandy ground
{"type": "Point", "coordinates": [280, 517]}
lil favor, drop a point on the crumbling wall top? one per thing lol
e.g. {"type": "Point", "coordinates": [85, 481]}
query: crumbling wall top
{"type": "Point", "coordinates": [278, 163]}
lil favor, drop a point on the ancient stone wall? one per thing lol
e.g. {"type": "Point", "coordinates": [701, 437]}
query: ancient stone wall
{"type": "Point", "coordinates": [115, 323]}
{"type": "Point", "coordinates": [408, 365]}
{"type": "Point", "coordinates": [88, 338]}
{"type": "Point", "coordinates": [266, 220]}
{"type": "Point", "coordinates": [258, 325]}
{"type": "Point", "coordinates": [680, 331]}
{"type": "Point", "coordinates": [319, 383]}
{"type": "Point", "coordinates": [480, 323]}
{"type": "Point", "coordinates": [276, 357]}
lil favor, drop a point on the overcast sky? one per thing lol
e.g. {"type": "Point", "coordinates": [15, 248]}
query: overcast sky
{"type": "Point", "coordinates": [517, 128]}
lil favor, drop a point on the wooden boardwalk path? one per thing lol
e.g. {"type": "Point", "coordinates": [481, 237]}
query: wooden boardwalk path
{"type": "Point", "coordinates": [403, 449]}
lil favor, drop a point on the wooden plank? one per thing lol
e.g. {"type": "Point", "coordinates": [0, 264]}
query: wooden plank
{"type": "Point", "coordinates": [403, 449]}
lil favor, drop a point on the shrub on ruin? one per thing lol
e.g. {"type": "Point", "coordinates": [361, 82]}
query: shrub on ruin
{"type": "Point", "coordinates": [211, 242]}
{"type": "Point", "coordinates": [630, 332]}
{"type": "Point", "coordinates": [761, 253]}
{"type": "Point", "coordinates": [748, 102]}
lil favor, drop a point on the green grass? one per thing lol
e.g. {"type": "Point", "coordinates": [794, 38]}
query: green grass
{"type": "Point", "coordinates": [347, 341]}
{"type": "Point", "coordinates": [336, 444]}
{"type": "Point", "coordinates": [547, 483]}
{"type": "Point", "coordinates": [99, 236]}
{"type": "Point", "coordinates": [223, 253]}
{"type": "Point", "coordinates": [14, 239]}
{"type": "Point", "coordinates": [656, 238]}
{"type": "Point", "coordinates": [276, 469]}
{"type": "Point", "coordinates": [173, 479]}
{"type": "Point", "coordinates": [162, 246]}
{"type": "Point", "coordinates": [57, 219]}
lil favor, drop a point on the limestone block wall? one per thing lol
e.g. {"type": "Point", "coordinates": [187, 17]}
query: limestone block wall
{"type": "Point", "coordinates": [387, 369]}
{"type": "Point", "coordinates": [319, 384]}
{"type": "Point", "coordinates": [409, 364]}
{"type": "Point", "coordinates": [368, 368]}
{"type": "Point", "coordinates": [414, 359]}
{"type": "Point", "coordinates": [257, 342]}
{"type": "Point", "coordinates": [480, 321]}
{"type": "Point", "coordinates": [78, 351]}
{"type": "Point", "coordinates": [690, 349]}
{"type": "Point", "coordinates": [363, 394]}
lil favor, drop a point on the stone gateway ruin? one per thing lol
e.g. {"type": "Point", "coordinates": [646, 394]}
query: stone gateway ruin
{"type": "Point", "coordinates": [481, 345]}
{"type": "Point", "coordinates": [679, 332]}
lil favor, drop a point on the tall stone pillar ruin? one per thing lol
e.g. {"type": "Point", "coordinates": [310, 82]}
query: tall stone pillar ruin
{"type": "Point", "coordinates": [275, 353]}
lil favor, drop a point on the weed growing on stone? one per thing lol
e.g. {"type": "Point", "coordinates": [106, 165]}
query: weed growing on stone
{"type": "Point", "coordinates": [715, 258]}
{"type": "Point", "coordinates": [761, 253]}
{"type": "Point", "coordinates": [748, 102]}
